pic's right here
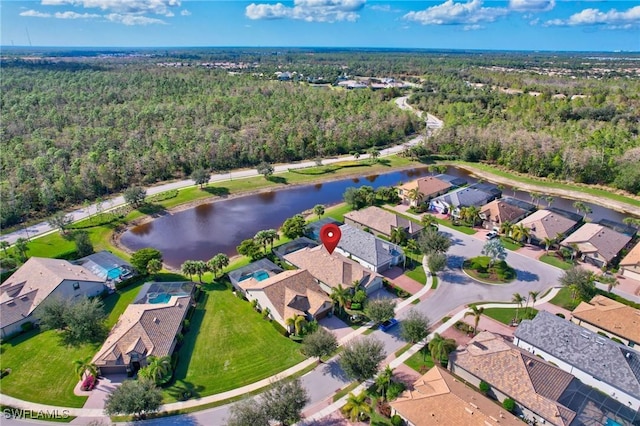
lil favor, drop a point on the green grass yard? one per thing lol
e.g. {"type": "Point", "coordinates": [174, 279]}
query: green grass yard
{"type": "Point", "coordinates": [564, 299]}
{"type": "Point", "coordinates": [554, 261]}
{"type": "Point", "coordinates": [228, 346]}
{"type": "Point", "coordinates": [420, 361]}
{"type": "Point", "coordinates": [505, 315]}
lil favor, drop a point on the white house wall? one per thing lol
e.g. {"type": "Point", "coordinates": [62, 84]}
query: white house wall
{"type": "Point", "coordinates": [357, 259]}
{"type": "Point", "coordinates": [584, 377]}
{"type": "Point", "coordinates": [264, 302]}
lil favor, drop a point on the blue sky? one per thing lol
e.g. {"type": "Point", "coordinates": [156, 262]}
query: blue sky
{"type": "Point", "coordinates": [442, 24]}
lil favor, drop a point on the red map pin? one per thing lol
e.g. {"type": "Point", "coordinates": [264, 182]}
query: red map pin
{"type": "Point", "coordinates": [330, 236]}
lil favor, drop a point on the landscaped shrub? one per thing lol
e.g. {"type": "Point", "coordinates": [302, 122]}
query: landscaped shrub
{"type": "Point", "coordinates": [509, 405]}
{"type": "Point", "coordinates": [445, 319]}
{"type": "Point", "coordinates": [560, 314]}
{"type": "Point", "coordinates": [484, 387]}
{"type": "Point", "coordinates": [185, 325]}
{"type": "Point", "coordinates": [356, 306]}
{"type": "Point", "coordinates": [615, 339]}
{"type": "Point", "coordinates": [5, 372]}
{"type": "Point", "coordinates": [396, 420]}
{"type": "Point", "coordinates": [394, 390]}
{"type": "Point", "coordinates": [89, 383]}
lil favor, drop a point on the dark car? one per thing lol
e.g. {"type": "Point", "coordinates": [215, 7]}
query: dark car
{"type": "Point", "coordinates": [388, 324]}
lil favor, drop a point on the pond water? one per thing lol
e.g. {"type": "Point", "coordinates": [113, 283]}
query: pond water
{"type": "Point", "coordinates": [203, 231]}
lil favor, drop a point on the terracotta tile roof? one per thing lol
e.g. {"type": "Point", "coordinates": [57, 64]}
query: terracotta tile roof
{"type": "Point", "coordinates": [30, 285]}
{"type": "Point", "coordinates": [547, 224]}
{"type": "Point", "coordinates": [611, 316]}
{"type": "Point", "coordinates": [428, 186]}
{"type": "Point", "coordinates": [293, 293]}
{"type": "Point", "coordinates": [594, 238]}
{"type": "Point", "coordinates": [632, 260]}
{"type": "Point", "coordinates": [498, 211]}
{"type": "Point", "coordinates": [382, 221]}
{"type": "Point", "coordinates": [331, 269]}
{"type": "Point", "coordinates": [438, 398]}
{"type": "Point", "coordinates": [492, 359]}
{"type": "Point", "coordinates": [144, 328]}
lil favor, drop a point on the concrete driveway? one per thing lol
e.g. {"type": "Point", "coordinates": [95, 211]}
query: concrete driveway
{"type": "Point", "coordinates": [397, 278]}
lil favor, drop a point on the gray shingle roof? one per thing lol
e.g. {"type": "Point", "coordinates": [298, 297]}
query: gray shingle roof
{"type": "Point", "coordinates": [474, 195]}
{"type": "Point", "coordinates": [366, 246]}
{"type": "Point", "coordinates": [602, 358]}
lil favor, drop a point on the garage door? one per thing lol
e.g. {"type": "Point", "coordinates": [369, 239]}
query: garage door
{"type": "Point", "coordinates": [631, 274]}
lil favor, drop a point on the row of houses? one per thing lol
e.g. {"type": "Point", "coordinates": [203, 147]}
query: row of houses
{"type": "Point", "coordinates": [305, 291]}
{"type": "Point", "coordinates": [597, 243]}
{"type": "Point", "coordinates": [558, 372]}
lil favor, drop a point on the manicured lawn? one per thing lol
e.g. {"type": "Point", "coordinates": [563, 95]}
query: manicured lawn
{"type": "Point", "coordinates": [420, 361]}
{"type": "Point", "coordinates": [564, 299]}
{"type": "Point", "coordinates": [338, 211]}
{"type": "Point", "coordinates": [505, 315]}
{"type": "Point", "coordinates": [462, 228]}
{"type": "Point", "coordinates": [41, 367]}
{"type": "Point", "coordinates": [434, 282]}
{"type": "Point", "coordinates": [417, 274]}
{"type": "Point", "coordinates": [229, 345]}
{"type": "Point", "coordinates": [509, 244]}
{"type": "Point", "coordinates": [478, 268]}
{"type": "Point", "coordinates": [554, 261]}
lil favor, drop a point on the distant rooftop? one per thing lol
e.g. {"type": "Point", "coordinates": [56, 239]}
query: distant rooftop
{"type": "Point", "coordinates": [366, 246]}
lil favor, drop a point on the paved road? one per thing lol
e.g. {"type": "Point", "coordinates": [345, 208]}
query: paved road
{"type": "Point", "coordinates": [43, 228]}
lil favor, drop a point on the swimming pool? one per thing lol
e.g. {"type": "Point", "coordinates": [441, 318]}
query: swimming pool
{"type": "Point", "coordinates": [159, 298]}
{"type": "Point", "coordinates": [259, 275]}
{"type": "Point", "coordinates": [114, 273]}
{"type": "Point", "coordinates": [611, 422]}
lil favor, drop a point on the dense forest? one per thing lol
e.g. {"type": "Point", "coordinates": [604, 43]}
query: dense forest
{"type": "Point", "coordinates": [81, 125]}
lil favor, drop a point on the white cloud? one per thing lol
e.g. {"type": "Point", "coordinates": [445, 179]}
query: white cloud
{"type": "Point", "coordinates": [185, 12]}
{"type": "Point", "coordinates": [35, 14]}
{"type": "Point", "coordinates": [130, 19]}
{"type": "Point", "coordinates": [450, 13]}
{"type": "Point", "coordinates": [158, 7]}
{"type": "Point", "coordinates": [308, 10]}
{"type": "Point", "coordinates": [75, 15]}
{"type": "Point", "coordinates": [611, 19]}
{"type": "Point", "coordinates": [531, 5]}
{"type": "Point", "coordinates": [381, 7]}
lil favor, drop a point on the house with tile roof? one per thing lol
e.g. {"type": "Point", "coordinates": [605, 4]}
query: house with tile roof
{"type": "Point", "coordinates": [596, 243]}
{"type": "Point", "coordinates": [368, 250]}
{"type": "Point", "coordinates": [532, 383]}
{"type": "Point", "coordinates": [497, 212]}
{"type": "Point", "coordinates": [630, 264]}
{"type": "Point", "coordinates": [37, 281]}
{"type": "Point", "coordinates": [607, 316]}
{"type": "Point", "coordinates": [428, 188]}
{"type": "Point", "coordinates": [148, 327]}
{"type": "Point", "coordinates": [289, 294]}
{"type": "Point", "coordinates": [312, 230]}
{"type": "Point", "coordinates": [546, 223]}
{"type": "Point", "coordinates": [331, 270]}
{"type": "Point", "coordinates": [438, 398]}
{"type": "Point", "coordinates": [597, 361]}
{"type": "Point", "coordinates": [477, 195]}
{"type": "Point", "coordinates": [381, 222]}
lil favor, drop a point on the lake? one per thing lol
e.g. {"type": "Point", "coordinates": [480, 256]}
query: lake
{"type": "Point", "coordinates": [203, 231]}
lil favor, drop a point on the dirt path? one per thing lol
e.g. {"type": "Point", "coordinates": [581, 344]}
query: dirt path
{"type": "Point", "coordinates": [566, 193]}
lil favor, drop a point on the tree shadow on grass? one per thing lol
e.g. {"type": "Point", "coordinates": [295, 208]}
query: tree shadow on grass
{"type": "Point", "coordinates": [277, 179]}
{"type": "Point", "coordinates": [152, 209]}
{"type": "Point", "coordinates": [219, 191]}
{"type": "Point", "coordinates": [183, 390]}
{"type": "Point", "coordinates": [384, 161]}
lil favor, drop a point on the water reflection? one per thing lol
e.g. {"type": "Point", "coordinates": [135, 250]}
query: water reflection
{"type": "Point", "coordinates": [318, 186]}
{"type": "Point", "coordinates": [372, 178]}
{"type": "Point", "coordinates": [267, 197]}
{"type": "Point", "coordinates": [355, 180]}
{"type": "Point", "coordinates": [203, 210]}
{"type": "Point", "coordinates": [142, 230]}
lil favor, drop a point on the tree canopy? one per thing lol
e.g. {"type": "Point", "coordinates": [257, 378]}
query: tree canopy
{"type": "Point", "coordinates": [361, 358]}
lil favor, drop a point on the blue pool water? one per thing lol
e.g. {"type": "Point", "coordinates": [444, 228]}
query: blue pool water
{"type": "Point", "coordinates": [160, 298]}
{"type": "Point", "coordinates": [260, 275]}
{"type": "Point", "coordinates": [114, 273]}
{"type": "Point", "coordinates": [611, 422]}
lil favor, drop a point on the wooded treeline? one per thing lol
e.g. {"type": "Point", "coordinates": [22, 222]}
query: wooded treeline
{"type": "Point", "coordinates": [592, 138]}
{"type": "Point", "coordinates": [71, 135]}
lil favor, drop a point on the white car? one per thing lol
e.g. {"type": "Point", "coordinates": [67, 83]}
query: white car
{"type": "Point", "coordinates": [491, 235]}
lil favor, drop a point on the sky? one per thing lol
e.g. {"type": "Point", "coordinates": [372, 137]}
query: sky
{"type": "Point", "coordinates": [561, 25]}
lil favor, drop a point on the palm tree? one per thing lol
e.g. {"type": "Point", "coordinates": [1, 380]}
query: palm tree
{"type": "Point", "coordinates": [515, 189]}
{"type": "Point", "coordinates": [4, 245]}
{"type": "Point", "coordinates": [218, 263]}
{"type": "Point", "coordinates": [356, 155]}
{"type": "Point", "coordinates": [357, 408]}
{"type": "Point", "coordinates": [476, 313]}
{"type": "Point", "coordinates": [415, 196]}
{"type": "Point", "coordinates": [441, 347]}
{"type": "Point", "coordinates": [549, 199]}
{"type": "Point", "coordinates": [582, 208]}
{"type": "Point", "coordinates": [472, 215]}
{"type": "Point", "coordinates": [518, 299]}
{"type": "Point", "coordinates": [548, 242]}
{"type": "Point", "coordinates": [412, 246]}
{"type": "Point", "coordinates": [158, 368]}
{"type": "Point", "coordinates": [270, 236]}
{"type": "Point", "coordinates": [383, 380]}
{"type": "Point", "coordinates": [188, 268]}
{"type": "Point", "coordinates": [398, 236]}
{"type": "Point", "coordinates": [428, 220]}
{"type": "Point", "coordinates": [296, 322]}
{"type": "Point", "coordinates": [261, 238]}
{"type": "Point", "coordinates": [318, 209]}
{"type": "Point", "coordinates": [154, 266]}
{"type": "Point", "coordinates": [506, 228]}
{"type": "Point", "coordinates": [21, 248]}
{"type": "Point", "coordinates": [610, 280]}
{"type": "Point", "coordinates": [374, 154]}
{"type": "Point", "coordinates": [83, 366]}
{"type": "Point", "coordinates": [200, 268]}
{"type": "Point", "coordinates": [535, 197]}
{"type": "Point", "coordinates": [340, 295]}
{"type": "Point", "coordinates": [520, 233]}
{"type": "Point", "coordinates": [534, 296]}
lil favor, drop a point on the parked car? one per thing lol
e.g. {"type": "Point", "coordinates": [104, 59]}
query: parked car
{"type": "Point", "coordinates": [388, 324]}
{"type": "Point", "coordinates": [491, 235]}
